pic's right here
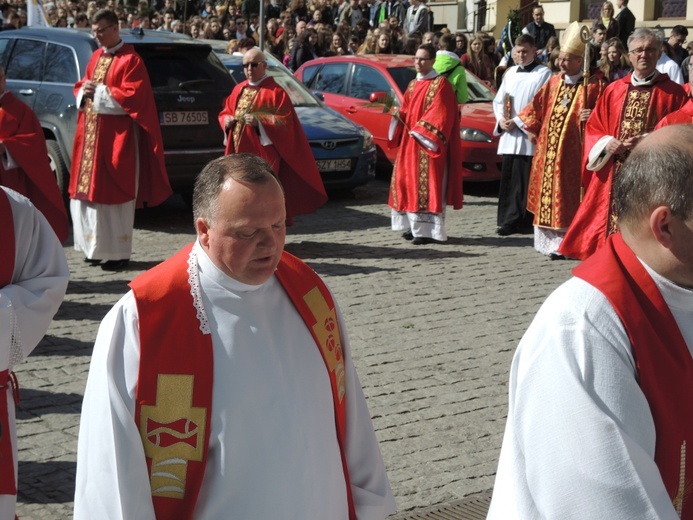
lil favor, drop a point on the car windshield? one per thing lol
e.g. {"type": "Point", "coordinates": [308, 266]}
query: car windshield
{"type": "Point", "coordinates": [478, 92]}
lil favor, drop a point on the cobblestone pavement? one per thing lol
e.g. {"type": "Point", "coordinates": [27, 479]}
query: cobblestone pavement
{"type": "Point", "coordinates": [433, 330]}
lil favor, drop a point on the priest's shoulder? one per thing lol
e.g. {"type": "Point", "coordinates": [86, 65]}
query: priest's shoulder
{"type": "Point", "coordinates": [160, 278]}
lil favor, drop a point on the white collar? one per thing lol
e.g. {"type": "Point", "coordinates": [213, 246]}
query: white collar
{"type": "Point", "coordinates": [675, 295]}
{"type": "Point", "coordinates": [637, 82]}
{"type": "Point", "coordinates": [115, 48]}
{"type": "Point", "coordinates": [257, 83]}
{"type": "Point", "coordinates": [572, 80]}
{"type": "Point", "coordinates": [430, 75]}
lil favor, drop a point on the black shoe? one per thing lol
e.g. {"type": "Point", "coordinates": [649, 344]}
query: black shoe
{"type": "Point", "coordinates": [91, 261]}
{"type": "Point", "coordinates": [418, 241]}
{"type": "Point", "coordinates": [115, 265]}
{"type": "Point", "coordinates": [407, 235]}
{"type": "Point", "coordinates": [505, 230]}
{"type": "Point", "coordinates": [556, 256]}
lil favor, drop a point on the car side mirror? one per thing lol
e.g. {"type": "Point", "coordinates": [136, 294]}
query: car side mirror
{"type": "Point", "coordinates": [319, 95]}
{"type": "Point", "coordinates": [378, 97]}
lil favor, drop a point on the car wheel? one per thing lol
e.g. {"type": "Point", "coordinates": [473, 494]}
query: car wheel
{"type": "Point", "coordinates": [58, 166]}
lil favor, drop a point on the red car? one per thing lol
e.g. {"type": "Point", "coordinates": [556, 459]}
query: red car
{"type": "Point", "coordinates": [349, 84]}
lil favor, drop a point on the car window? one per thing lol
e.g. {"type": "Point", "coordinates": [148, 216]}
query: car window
{"type": "Point", "coordinates": [367, 80]}
{"type": "Point", "coordinates": [332, 78]}
{"type": "Point", "coordinates": [478, 92]}
{"type": "Point", "coordinates": [61, 65]}
{"type": "Point", "coordinates": [309, 75]}
{"type": "Point", "coordinates": [402, 76]}
{"type": "Point", "coordinates": [5, 47]}
{"type": "Point", "coordinates": [183, 68]}
{"type": "Point", "coordinates": [300, 97]}
{"type": "Point", "coordinates": [22, 64]}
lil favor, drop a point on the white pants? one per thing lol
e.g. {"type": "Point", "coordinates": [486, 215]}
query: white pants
{"type": "Point", "coordinates": [103, 231]}
{"type": "Point", "coordinates": [428, 225]}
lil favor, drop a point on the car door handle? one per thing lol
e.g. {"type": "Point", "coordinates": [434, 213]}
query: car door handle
{"type": "Point", "coordinates": [351, 110]}
{"type": "Point", "coordinates": [27, 92]}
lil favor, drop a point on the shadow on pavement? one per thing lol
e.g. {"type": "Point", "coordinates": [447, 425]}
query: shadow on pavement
{"type": "Point", "coordinates": [35, 403]}
{"type": "Point", "coordinates": [37, 481]}
{"type": "Point", "coordinates": [307, 250]}
{"type": "Point", "coordinates": [61, 346]}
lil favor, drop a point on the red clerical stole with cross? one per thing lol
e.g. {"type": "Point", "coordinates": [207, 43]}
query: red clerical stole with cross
{"type": "Point", "coordinates": [174, 391]}
{"type": "Point", "coordinates": [662, 359]}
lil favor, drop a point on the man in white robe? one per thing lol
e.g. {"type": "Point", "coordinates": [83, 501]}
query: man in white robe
{"type": "Point", "coordinates": [582, 439]}
{"type": "Point", "coordinates": [273, 451]}
{"type": "Point", "coordinates": [27, 306]}
{"type": "Point", "coordinates": [520, 84]}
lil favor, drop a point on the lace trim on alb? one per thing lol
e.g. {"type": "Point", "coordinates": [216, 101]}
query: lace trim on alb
{"type": "Point", "coordinates": [16, 354]}
{"type": "Point", "coordinates": [196, 292]}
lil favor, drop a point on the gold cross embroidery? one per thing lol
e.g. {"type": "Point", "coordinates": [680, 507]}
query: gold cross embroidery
{"type": "Point", "coordinates": [173, 433]}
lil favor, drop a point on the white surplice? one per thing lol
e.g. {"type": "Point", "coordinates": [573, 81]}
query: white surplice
{"type": "Point", "coordinates": [29, 303]}
{"type": "Point", "coordinates": [273, 451]}
{"type": "Point", "coordinates": [580, 439]}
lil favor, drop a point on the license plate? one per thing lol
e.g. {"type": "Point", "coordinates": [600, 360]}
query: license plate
{"type": "Point", "coordinates": [334, 165]}
{"type": "Point", "coordinates": [181, 117]}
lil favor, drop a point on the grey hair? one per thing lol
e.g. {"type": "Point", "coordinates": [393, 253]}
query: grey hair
{"type": "Point", "coordinates": [643, 33]}
{"type": "Point", "coordinates": [242, 167]}
{"type": "Point", "coordinates": [655, 176]}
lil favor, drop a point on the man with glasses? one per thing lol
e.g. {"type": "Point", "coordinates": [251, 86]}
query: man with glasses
{"type": "Point", "coordinates": [242, 29]}
{"type": "Point", "coordinates": [427, 174]}
{"type": "Point", "coordinates": [118, 154]}
{"type": "Point", "coordinates": [259, 118]}
{"type": "Point", "coordinates": [629, 109]}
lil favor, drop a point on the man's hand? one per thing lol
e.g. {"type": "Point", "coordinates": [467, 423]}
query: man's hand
{"type": "Point", "coordinates": [631, 142]}
{"type": "Point", "coordinates": [532, 138]}
{"type": "Point", "coordinates": [507, 125]}
{"type": "Point", "coordinates": [584, 114]}
{"type": "Point", "coordinates": [88, 89]}
{"type": "Point", "coordinates": [228, 122]}
{"type": "Point", "coordinates": [250, 120]}
{"type": "Point", "coordinates": [615, 147]}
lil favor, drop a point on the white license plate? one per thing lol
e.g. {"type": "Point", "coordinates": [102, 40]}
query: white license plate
{"type": "Point", "coordinates": [198, 117]}
{"type": "Point", "coordinates": [334, 165]}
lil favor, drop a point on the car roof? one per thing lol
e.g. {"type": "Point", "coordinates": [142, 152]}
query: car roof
{"type": "Point", "coordinates": [385, 60]}
{"type": "Point", "coordinates": [61, 35]}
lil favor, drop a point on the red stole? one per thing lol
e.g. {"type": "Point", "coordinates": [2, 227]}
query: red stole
{"type": "Point", "coordinates": [663, 361]}
{"type": "Point", "coordinates": [8, 486]}
{"type": "Point", "coordinates": [174, 391]}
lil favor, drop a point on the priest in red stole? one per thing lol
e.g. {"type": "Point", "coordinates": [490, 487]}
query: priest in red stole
{"type": "Point", "coordinates": [258, 118]}
{"type": "Point", "coordinates": [628, 110]}
{"type": "Point", "coordinates": [24, 165]}
{"type": "Point", "coordinates": [555, 119]}
{"type": "Point", "coordinates": [600, 382]}
{"type": "Point", "coordinates": [428, 172]}
{"type": "Point", "coordinates": [118, 156]}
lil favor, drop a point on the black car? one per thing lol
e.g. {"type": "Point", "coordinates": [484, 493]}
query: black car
{"type": "Point", "coordinates": [188, 80]}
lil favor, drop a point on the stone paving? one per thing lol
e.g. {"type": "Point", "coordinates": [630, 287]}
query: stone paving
{"type": "Point", "coordinates": [433, 330]}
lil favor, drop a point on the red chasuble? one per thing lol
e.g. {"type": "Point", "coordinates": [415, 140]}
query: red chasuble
{"type": "Point", "coordinates": [555, 179]}
{"type": "Point", "coordinates": [419, 179]}
{"type": "Point", "coordinates": [174, 390]}
{"type": "Point", "coordinates": [289, 154]}
{"type": "Point", "coordinates": [105, 152]}
{"type": "Point", "coordinates": [21, 133]}
{"type": "Point", "coordinates": [683, 116]}
{"type": "Point", "coordinates": [662, 359]}
{"type": "Point", "coordinates": [8, 486]}
{"type": "Point", "coordinates": [623, 111]}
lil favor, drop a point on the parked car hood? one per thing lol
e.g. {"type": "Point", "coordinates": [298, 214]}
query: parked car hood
{"type": "Point", "coordinates": [479, 116]}
{"type": "Point", "coordinates": [325, 123]}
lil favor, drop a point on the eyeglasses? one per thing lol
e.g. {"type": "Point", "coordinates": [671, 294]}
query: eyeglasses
{"type": "Point", "coordinates": [241, 23]}
{"type": "Point", "coordinates": [252, 65]}
{"type": "Point", "coordinates": [643, 50]}
{"type": "Point", "coordinates": [101, 30]}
